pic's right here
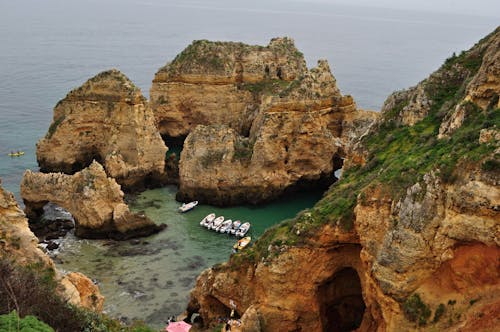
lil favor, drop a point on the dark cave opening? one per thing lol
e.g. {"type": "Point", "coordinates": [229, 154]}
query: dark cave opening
{"type": "Point", "coordinates": [341, 301]}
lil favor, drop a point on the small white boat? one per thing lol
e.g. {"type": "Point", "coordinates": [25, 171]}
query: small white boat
{"type": "Point", "coordinates": [225, 226]}
{"type": "Point", "coordinates": [234, 227]}
{"type": "Point", "coordinates": [217, 222]}
{"type": "Point", "coordinates": [187, 206]}
{"type": "Point", "coordinates": [207, 220]}
{"type": "Point", "coordinates": [243, 229]}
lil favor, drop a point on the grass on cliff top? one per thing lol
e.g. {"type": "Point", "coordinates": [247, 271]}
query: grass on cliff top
{"type": "Point", "coordinates": [398, 157]}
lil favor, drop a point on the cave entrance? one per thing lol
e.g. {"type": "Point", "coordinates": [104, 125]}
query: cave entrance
{"type": "Point", "coordinates": [341, 301]}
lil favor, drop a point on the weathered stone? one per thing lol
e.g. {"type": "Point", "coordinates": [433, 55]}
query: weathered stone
{"type": "Point", "coordinates": [106, 119]}
{"type": "Point", "coordinates": [221, 83]}
{"type": "Point", "coordinates": [94, 200]}
{"type": "Point", "coordinates": [79, 290]}
{"type": "Point", "coordinates": [296, 140]}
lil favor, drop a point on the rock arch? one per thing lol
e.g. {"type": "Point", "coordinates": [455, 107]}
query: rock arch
{"type": "Point", "coordinates": [94, 200]}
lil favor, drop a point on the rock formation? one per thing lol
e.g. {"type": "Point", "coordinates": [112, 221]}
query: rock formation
{"type": "Point", "coordinates": [408, 240]}
{"type": "Point", "coordinates": [216, 83]}
{"type": "Point", "coordinates": [94, 200]}
{"type": "Point", "coordinates": [297, 138]}
{"type": "Point", "coordinates": [106, 119]}
{"type": "Point", "coordinates": [19, 244]}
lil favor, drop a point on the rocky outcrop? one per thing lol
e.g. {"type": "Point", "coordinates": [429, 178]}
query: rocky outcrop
{"type": "Point", "coordinates": [81, 291]}
{"type": "Point", "coordinates": [406, 241]}
{"type": "Point", "coordinates": [484, 88]}
{"type": "Point", "coordinates": [18, 244]}
{"type": "Point", "coordinates": [16, 238]}
{"type": "Point", "coordinates": [297, 139]}
{"type": "Point", "coordinates": [94, 200]}
{"type": "Point", "coordinates": [221, 83]}
{"type": "Point", "coordinates": [109, 120]}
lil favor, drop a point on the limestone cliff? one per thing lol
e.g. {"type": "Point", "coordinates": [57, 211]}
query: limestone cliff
{"type": "Point", "coordinates": [406, 240]}
{"type": "Point", "coordinates": [109, 120]}
{"type": "Point", "coordinates": [220, 83]}
{"type": "Point", "coordinates": [298, 138]}
{"type": "Point", "coordinates": [94, 200]}
{"type": "Point", "coordinates": [19, 245]}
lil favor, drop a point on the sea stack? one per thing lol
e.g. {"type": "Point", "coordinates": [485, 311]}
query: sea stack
{"type": "Point", "coordinates": [107, 119]}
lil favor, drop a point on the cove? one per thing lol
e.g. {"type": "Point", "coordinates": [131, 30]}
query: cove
{"type": "Point", "coordinates": [150, 278]}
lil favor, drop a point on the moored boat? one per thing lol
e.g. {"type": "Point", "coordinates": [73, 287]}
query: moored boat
{"type": "Point", "coordinates": [243, 229]}
{"type": "Point", "coordinates": [217, 222]}
{"type": "Point", "coordinates": [225, 226]}
{"type": "Point", "coordinates": [242, 243]}
{"type": "Point", "coordinates": [234, 227]}
{"type": "Point", "coordinates": [187, 206]}
{"type": "Point", "coordinates": [207, 220]}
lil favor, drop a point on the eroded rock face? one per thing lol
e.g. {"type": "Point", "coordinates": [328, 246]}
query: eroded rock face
{"type": "Point", "coordinates": [484, 88]}
{"type": "Point", "coordinates": [94, 200]}
{"type": "Point", "coordinates": [420, 252]}
{"type": "Point", "coordinates": [220, 83]}
{"type": "Point", "coordinates": [109, 120]}
{"type": "Point", "coordinates": [297, 139]}
{"type": "Point", "coordinates": [19, 244]}
{"type": "Point", "coordinates": [16, 238]}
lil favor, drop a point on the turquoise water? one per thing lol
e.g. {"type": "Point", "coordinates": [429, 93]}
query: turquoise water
{"type": "Point", "coordinates": [50, 47]}
{"type": "Point", "coordinates": [151, 278]}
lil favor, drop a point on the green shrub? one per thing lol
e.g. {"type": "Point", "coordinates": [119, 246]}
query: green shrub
{"type": "Point", "coordinates": [12, 323]}
{"type": "Point", "coordinates": [415, 310]}
{"type": "Point", "coordinates": [439, 312]}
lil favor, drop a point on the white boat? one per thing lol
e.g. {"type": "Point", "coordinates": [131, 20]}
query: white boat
{"type": "Point", "coordinates": [234, 227]}
{"type": "Point", "coordinates": [217, 222]}
{"type": "Point", "coordinates": [207, 220]}
{"type": "Point", "coordinates": [225, 226]}
{"type": "Point", "coordinates": [243, 229]}
{"type": "Point", "coordinates": [187, 206]}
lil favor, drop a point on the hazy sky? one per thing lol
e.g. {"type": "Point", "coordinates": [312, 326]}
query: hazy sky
{"type": "Point", "coordinates": [474, 7]}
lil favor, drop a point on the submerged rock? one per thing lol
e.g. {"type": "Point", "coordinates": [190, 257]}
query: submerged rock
{"type": "Point", "coordinates": [109, 120]}
{"type": "Point", "coordinates": [94, 200]}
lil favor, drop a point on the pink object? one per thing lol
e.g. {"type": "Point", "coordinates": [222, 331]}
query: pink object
{"type": "Point", "coordinates": [178, 327]}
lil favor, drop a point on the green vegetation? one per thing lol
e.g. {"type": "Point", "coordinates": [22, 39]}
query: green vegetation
{"type": "Point", "coordinates": [12, 323]}
{"type": "Point", "coordinates": [439, 312]}
{"type": "Point", "coordinates": [267, 87]}
{"type": "Point", "coordinates": [415, 310]}
{"type": "Point", "coordinates": [398, 156]}
{"type": "Point", "coordinates": [54, 125]}
{"type": "Point", "coordinates": [211, 158]}
{"type": "Point", "coordinates": [31, 291]}
{"type": "Point", "coordinates": [243, 150]}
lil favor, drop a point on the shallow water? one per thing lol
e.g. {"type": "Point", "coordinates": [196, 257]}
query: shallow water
{"type": "Point", "coordinates": [151, 278]}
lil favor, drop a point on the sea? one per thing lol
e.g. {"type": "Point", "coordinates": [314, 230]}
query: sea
{"type": "Point", "coordinates": [49, 47]}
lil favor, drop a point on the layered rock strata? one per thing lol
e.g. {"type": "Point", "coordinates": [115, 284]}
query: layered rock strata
{"type": "Point", "coordinates": [217, 83]}
{"type": "Point", "coordinates": [109, 120]}
{"type": "Point", "coordinates": [20, 245]}
{"type": "Point", "coordinates": [94, 200]}
{"type": "Point", "coordinates": [418, 249]}
{"type": "Point", "coordinates": [297, 139]}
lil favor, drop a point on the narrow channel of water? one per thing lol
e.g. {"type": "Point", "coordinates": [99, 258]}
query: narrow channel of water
{"type": "Point", "coordinates": [150, 278]}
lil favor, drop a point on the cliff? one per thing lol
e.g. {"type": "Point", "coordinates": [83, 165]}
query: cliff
{"type": "Point", "coordinates": [406, 240]}
{"type": "Point", "coordinates": [19, 246]}
{"type": "Point", "coordinates": [300, 133]}
{"type": "Point", "coordinates": [94, 200]}
{"type": "Point", "coordinates": [106, 119]}
{"type": "Point", "coordinates": [219, 82]}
